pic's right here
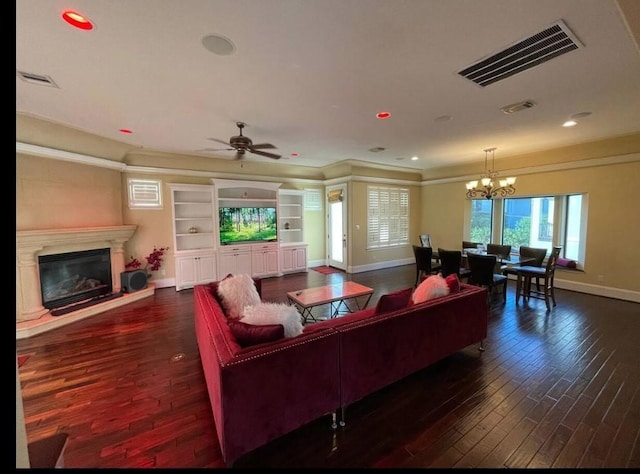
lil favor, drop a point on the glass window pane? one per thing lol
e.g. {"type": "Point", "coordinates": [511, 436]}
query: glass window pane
{"type": "Point", "coordinates": [574, 220]}
{"type": "Point", "coordinates": [481, 215]}
{"type": "Point", "coordinates": [528, 222]}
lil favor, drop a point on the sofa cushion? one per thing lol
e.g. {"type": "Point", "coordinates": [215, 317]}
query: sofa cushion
{"type": "Point", "coordinates": [432, 287]}
{"type": "Point", "coordinates": [393, 301]}
{"type": "Point", "coordinates": [236, 292]}
{"type": "Point", "coordinates": [453, 282]}
{"type": "Point", "coordinates": [274, 313]}
{"type": "Point", "coordinates": [250, 334]}
{"type": "Point", "coordinates": [565, 262]}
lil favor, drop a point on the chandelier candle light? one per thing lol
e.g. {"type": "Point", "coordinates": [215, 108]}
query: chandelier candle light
{"type": "Point", "coordinates": [487, 188]}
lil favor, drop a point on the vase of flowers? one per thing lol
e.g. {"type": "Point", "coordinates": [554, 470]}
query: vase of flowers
{"type": "Point", "coordinates": [154, 261]}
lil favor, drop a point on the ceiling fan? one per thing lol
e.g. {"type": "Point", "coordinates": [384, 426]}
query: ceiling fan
{"type": "Point", "coordinates": [243, 144]}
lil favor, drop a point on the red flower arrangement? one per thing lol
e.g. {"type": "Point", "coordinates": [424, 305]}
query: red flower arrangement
{"type": "Point", "coordinates": [154, 260]}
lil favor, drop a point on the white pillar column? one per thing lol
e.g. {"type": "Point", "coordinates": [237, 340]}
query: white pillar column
{"type": "Point", "coordinates": [28, 284]}
{"type": "Point", "coordinates": [117, 263]}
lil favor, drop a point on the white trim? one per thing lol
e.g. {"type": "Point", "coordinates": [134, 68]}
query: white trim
{"type": "Point", "coordinates": [44, 152]}
{"type": "Point", "coordinates": [380, 265]}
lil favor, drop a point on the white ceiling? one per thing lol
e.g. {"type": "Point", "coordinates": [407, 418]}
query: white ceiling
{"type": "Point", "coordinates": [309, 76]}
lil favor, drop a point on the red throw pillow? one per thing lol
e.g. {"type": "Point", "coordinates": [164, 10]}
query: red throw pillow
{"type": "Point", "coordinates": [250, 334]}
{"type": "Point", "coordinates": [453, 283]}
{"type": "Point", "coordinates": [392, 301]}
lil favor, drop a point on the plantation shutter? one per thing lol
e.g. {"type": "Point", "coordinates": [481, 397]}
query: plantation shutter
{"type": "Point", "coordinates": [387, 217]}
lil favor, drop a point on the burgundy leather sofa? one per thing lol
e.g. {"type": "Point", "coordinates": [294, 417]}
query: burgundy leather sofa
{"type": "Point", "coordinates": [261, 392]}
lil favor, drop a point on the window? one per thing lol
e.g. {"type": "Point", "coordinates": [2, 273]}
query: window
{"type": "Point", "coordinates": [481, 220]}
{"type": "Point", "coordinates": [540, 222]}
{"type": "Point", "coordinates": [528, 222]}
{"type": "Point", "coordinates": [145, 194]}
{"type": "Point", "coordinates": [387, 217]}
{"type": "Point", "coordinates": [312, 200]}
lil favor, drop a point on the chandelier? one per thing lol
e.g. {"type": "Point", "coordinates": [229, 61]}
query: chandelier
{"type": "Point", "coordinates": [486, 188]}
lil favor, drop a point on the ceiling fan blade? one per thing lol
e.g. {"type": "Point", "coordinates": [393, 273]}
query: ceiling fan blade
{"type": "Point", "coordinates": [218, 149]}
{"type": "Point", "coordinates": [220, 141]}
{"type": "Point", "coordinates": [264, 153]}
{"type": "Point", "coordinates": [261, 146]}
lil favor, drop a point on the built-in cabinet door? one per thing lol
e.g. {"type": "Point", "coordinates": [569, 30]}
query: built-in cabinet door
{"type": "Point", "coordinates": [293, 259]}
{"type": "Point", "coordinates": [195, 269]}
{"type": "Point", "coordinates": [235, 262]}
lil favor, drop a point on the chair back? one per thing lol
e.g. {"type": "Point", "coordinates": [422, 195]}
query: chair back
{"type": "Point", "coordinates": [552, 260]}
{"type": "Point", "coordinates": [502, 251]}
{"type": "Point", "coordinates": [470, 245]}
{"type": "Point", "coordinates": [450, 261]}
{"type": "Point", "coordinates": [423, 258]}
{"type": "Point", "coordinates": [537, 253]}
{"type": "Point", "coordinates": [482, 269]}
{"type": "Point", "coordinates": [425, 240]}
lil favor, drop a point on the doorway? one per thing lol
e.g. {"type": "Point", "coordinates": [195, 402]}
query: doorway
{"type": "Point", "coordinates": [337, 226]}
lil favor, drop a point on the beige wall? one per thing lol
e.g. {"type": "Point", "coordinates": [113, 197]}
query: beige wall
{"type": "Point", "coordinates": [53, 194]}
{"type": "Point", "coordinates": [59, 194]}
{"type": "Point", "coordinates": [613, 228]}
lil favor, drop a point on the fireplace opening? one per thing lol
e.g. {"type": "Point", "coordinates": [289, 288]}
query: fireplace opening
{"type": "Point", "coordinates": [71, 277]}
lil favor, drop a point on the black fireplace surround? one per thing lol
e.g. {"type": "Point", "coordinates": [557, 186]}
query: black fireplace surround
{"type": "Point", "coordinates": [68, 278]}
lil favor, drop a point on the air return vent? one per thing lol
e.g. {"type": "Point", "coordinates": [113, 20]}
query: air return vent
{"type": "Point", "coordinates": [36, 79]}
{"type": "Point", "coordinates": [525, 54]}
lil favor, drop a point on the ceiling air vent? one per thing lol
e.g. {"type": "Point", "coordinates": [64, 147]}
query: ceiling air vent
{"type": "Point", "coordinates": [36, 79]}
{"type": "Point", "coordinates": [525, 54]}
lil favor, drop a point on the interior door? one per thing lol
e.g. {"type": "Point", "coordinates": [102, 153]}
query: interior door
{"type": "Point", "coordinates": [337, 226]}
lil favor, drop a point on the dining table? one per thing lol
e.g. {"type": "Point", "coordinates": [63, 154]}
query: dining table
{"type": "Point", "coordinates": [512, 260]}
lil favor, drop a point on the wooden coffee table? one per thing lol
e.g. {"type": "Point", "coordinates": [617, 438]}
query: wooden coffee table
{"type": "Point", "coordinates": [335, 295]}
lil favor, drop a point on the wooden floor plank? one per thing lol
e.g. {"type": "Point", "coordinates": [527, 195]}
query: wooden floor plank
{"type": "Point", "coordinates": [552, 389]}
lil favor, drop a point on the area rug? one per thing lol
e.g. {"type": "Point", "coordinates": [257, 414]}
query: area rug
{"type": "Point", "coordinates": [22, 359]}
{"type": "Point", "coordinates": [325, 270]}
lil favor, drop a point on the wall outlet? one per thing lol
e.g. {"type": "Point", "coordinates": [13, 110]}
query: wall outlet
{"type": "Point", "coordinates": [163, 272]}
{"type": "Point", "coordinates": [600, 278]}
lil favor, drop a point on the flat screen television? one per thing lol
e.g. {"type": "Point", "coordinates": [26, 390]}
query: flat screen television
{"type": "Point", "coordinates": [247, 224]}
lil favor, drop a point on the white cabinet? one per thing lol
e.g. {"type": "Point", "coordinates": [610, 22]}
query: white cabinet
{"type": "Point", "coordinates": [195, 269]}
{"type": "Point", "coordinates": [194, 234]}
{"type": "Point", "coordinates": [193, 217]}
{"type": "Point", "coordinates": [293, 258]}
{"type": "Point", "coordinates": [293, 250]}
{"type": "Point", "coordinates": [264, 259]}
{"type": "Point", "coordinates": [290, 216]}
{"type": "Point", "coordinates": [235, 260]}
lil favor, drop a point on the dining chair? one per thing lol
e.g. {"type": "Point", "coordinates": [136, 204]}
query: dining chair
{"type": "Point", "coordinates": [501, 252]}
{"type": "Point", "coordinates": [425, 240]}
{"type": "Point", "coordinates": [470, 245]}
{"type": "Point", "coordinates": [482, 268]}
{"type": "Point", "coordinates": [538, 255]}
{"type": "Point", "coordinates": [424, 264]}
{"type": "Point", "coordinates": [544, 274]}
{"type": "Point", "coordinates": [451, 262]}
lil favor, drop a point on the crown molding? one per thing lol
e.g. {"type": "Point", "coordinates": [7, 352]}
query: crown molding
{"type": "Point", "coordinates": [45, 152]}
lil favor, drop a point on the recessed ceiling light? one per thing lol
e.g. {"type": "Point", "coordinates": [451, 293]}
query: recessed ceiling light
{"type": "Point", "coordinates": [126, 131]}
{"type": "Point", "coordinates": [443, 118]}
{"type": "Point", "coordinates": [580, 115]}
{"type": "Point", "coordinates": [294, 154]}
{"type": "Point", "coordinates": [218, 45]}
{"type": "Point", "coordinates": [400, 158]}
{"type": "Point", "coordinates": [383, 115]}
{"type": "Point", "coordinates": [570, 123]}
{"type": "Point", "coordinates": [376, 149]}
{"type": "Point", "coordinates": [77, 20]}
{"type": "Point", "coordinates": [414, 158]}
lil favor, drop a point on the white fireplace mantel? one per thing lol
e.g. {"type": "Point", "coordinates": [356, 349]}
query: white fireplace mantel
{"type": "Point", "coordinates": [32, 243]}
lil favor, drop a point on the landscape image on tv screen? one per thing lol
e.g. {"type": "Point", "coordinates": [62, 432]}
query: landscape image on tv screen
{"type": "Point", "coordinates": [247, 224]}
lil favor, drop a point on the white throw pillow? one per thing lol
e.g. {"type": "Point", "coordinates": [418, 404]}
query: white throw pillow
{"type": "Point", "coordinates": [433, 287]}
{"type": "Point", "coordinates": [236, 292]}
{"type": "Point", "coordinates": [274, 313]}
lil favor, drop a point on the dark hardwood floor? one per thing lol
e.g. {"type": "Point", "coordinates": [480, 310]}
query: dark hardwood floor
{"type": "Point", "coordinates": [558, 389]}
